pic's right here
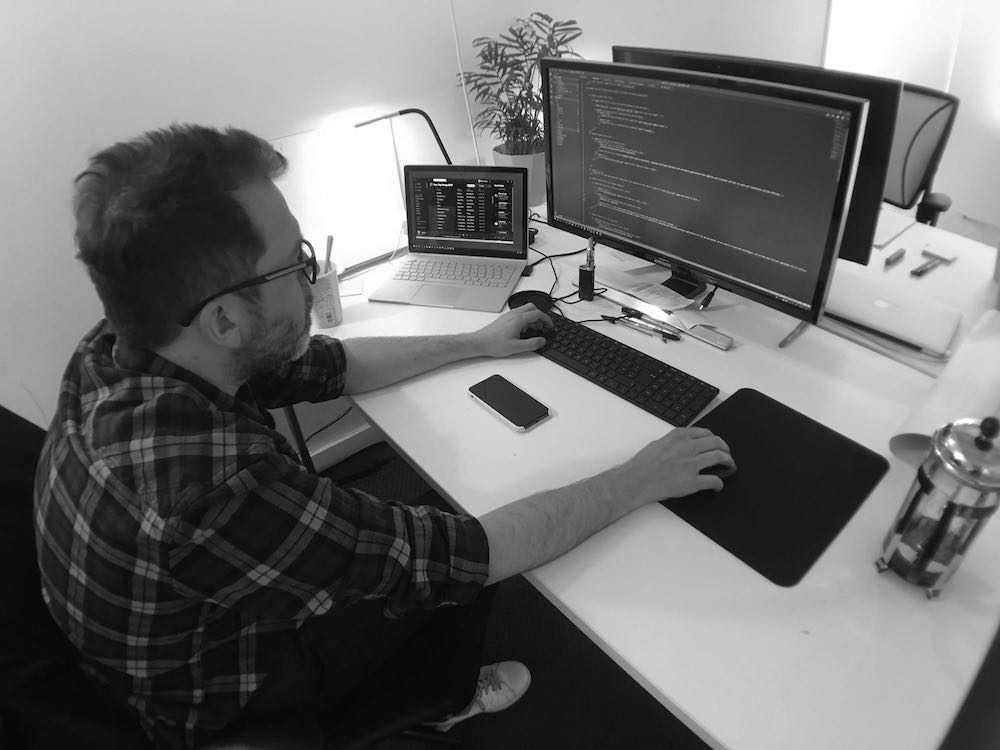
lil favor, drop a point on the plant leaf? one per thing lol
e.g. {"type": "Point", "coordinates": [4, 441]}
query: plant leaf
{"type": "Point", "coordinates": [506, 85]}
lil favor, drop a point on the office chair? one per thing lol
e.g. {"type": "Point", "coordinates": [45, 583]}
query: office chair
{"type": "Point", "coordinates": [923, 125]}
{"type": "Point", "coordinates": [47, 702]}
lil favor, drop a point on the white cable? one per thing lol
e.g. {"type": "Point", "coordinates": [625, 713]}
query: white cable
{"type": "Point", "coordinates": [402, 188]}
{"type": "Point", "coordinates": [465, 92]}
{"type": "Point", "coordinates": [395, 154]}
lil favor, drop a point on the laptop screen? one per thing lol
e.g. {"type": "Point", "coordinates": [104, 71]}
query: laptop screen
{"type": "Point", "coordinates": [467, 210]}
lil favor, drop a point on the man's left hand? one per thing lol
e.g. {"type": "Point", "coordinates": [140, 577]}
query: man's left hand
{"type": "Point", "coordinates": [502, 337]}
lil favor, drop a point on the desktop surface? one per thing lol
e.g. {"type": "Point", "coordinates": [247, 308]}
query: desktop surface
{"type": "Point", "coordinates": [845, 658]}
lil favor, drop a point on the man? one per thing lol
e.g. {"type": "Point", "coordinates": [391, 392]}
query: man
{"type": "Point", "coordinates": [203, 574]}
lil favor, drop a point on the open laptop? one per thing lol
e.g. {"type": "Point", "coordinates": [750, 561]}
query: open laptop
{"type": "Point", "coordinates": [899, 314]}
{"type": "Point", "coordinates": [467, 230]}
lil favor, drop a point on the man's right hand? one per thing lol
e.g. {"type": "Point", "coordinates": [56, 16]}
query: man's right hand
{"type": "Point", "coordinates": [669, 466]}
{"type": "Point", "coordinates": [535, 529]}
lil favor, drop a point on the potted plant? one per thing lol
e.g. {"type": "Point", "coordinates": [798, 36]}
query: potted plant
{"type": "Point", "coordinates": [507, 85]}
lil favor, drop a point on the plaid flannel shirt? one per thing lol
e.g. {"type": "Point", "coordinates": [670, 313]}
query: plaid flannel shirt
{"type": "Point", "coordinates": [180, 539]}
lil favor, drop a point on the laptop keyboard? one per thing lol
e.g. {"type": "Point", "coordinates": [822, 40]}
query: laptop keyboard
{"type": "Point", "coordinates": [473, 273]}
{"type": "Point", "coordinates": [662, 390]}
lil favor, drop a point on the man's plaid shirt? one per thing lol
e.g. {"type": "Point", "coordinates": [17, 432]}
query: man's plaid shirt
{"type": "Point", "coordinates": [179, 538]}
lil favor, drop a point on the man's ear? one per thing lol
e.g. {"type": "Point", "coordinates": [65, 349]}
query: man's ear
{"type": "Point", "coordinates": [225, 322]}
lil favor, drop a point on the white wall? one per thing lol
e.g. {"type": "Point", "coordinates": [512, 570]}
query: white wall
{"type": "Point", "coordinates": [912, 40]}
{"type": "Point", "coordinates": [970, 169]}
{"type": "Point", "coordinates": [77, 76]}
{"type": "Point", "coordinates": [787, 30]}
{"type": "Point", "coordinates": [945, 44]}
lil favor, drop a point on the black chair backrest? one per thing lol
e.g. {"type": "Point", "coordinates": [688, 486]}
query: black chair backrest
{"type": "Point", "coordinates": [923, 125]}
{"type": "Point", "coordinates": [45, 699]}
{"type": "Point", "coordinates": [25, 624]}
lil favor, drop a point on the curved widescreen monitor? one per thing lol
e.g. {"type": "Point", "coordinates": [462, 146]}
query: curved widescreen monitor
{"type": "Point", "coordinates": [883, 97]}
{"type": "Point", "coordinates": [729, 181]}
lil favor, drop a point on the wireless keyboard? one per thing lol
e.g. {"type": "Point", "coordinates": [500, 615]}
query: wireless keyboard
{"type": "Point", "coordinates": [662, 390]}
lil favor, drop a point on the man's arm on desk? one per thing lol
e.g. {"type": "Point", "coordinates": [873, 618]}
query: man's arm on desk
{"type": "Point", "coordinates": [531, 531]}
{"type": "Point", "coordinates": [379, 361]}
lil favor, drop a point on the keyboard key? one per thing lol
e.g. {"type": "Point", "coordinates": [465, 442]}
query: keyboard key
{"type": "Point", "coordinates": [473, 273]}
{"type": "Point", "coordinates": [652, 385]}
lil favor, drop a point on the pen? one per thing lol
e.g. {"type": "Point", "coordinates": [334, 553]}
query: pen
{"type": "Point", "coordinates": [933, 261]}
{"type": "Point", "coordinates": [631, 312]}
{"type": "Point", "coordinates": [894, 258]}
{"type": "Point", "coordinates": [329, 252]}
{"type": "Point", "coordinates": [707, 299]}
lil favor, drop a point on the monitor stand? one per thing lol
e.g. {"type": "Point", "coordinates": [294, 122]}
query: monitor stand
{"type": "Point", "coordinates": [684, 282]}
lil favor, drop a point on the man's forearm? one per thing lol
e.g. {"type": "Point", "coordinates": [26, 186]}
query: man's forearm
{"type": "Point", "coordinates": [379, 361]}
{"type": "Point", "coordinates": [374, 362]}
{"type": "Point", "coordinates": [541, 527]}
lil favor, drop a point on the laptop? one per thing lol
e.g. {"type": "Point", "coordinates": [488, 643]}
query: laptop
{"type": "Point", "coordinates": [467, 231]}
{"type": "Point", "coordinates": [898, 314]}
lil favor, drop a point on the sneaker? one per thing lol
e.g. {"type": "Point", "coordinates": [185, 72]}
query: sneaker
{"type": "Point", "coordinates": [500, 686]}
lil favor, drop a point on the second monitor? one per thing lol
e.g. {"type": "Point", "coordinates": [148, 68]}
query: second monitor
{"type": "Point", "coordinates": [883, 95]}
{"type": "Point", "coordinates": [740, 183]}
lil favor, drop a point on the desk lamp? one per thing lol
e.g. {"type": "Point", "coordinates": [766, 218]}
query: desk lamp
{"type": "Point", "coordinates": [365, 265]}
{"type": "Point", "coordinates": [413, 111]}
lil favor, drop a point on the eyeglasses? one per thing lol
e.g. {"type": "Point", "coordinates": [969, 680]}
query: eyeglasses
{"type": "Point", "coordinates": [307, 265]}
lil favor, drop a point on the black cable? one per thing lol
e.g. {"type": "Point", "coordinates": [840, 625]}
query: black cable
{"type": "Point", "coordinates": [555, 274]}
{"type": "Point", "coordinates": [602, 319]}
{"type": "Point", "coordinates": [330, 424]}
{"type": "Point", "coordinates": [557, 255]}
{"type": "Point", "coordinates": [602, 290]}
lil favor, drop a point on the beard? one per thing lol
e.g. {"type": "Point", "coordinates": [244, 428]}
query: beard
{"type": "Point", "coordinates": [273, 345]}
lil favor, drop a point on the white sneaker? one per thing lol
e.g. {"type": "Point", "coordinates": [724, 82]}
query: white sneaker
{"type": "Point", "coordinates": [500, 686]}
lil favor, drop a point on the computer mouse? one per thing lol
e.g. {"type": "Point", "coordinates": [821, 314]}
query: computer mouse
{"type": "Point", "coordinates": [538, 330]}
{"type": "Point", "coordinates": [722, 471]}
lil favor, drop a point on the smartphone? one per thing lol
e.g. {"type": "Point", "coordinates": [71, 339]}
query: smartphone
{"type": "Point", "coordinates": [508, 402]}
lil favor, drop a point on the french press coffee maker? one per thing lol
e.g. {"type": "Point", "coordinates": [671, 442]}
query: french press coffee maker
{"type": "Point", "coordinates": [956, 490]}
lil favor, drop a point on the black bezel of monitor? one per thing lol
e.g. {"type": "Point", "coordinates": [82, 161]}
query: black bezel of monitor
{"type": "Point", "coordinates": [516, 250]}
{"type": "Point", "coordinates": [883, 95]}
{"type": "Point", "coordinates": [855, 106]}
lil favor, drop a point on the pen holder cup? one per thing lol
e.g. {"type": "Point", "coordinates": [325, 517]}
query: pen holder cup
{"type": "Point", "coordinates": [326, 309]}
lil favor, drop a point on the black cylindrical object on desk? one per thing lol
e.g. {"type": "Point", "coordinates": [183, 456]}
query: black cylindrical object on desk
{"type": "Point", "coordinates": [586, 283]}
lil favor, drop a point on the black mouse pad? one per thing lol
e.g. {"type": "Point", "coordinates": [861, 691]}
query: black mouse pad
{"type": "Point", "coordinates": [796, 486]}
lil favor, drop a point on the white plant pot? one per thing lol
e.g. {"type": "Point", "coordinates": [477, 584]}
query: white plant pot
{"type": "Point", "coordinates": [536, 172]}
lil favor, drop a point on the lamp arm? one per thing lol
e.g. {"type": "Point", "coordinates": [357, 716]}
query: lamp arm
{"type": "Point", "coordinates": [414, 111]}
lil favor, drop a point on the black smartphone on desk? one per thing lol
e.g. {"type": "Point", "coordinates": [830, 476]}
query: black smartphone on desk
{"type": "Point", "coordinates": [508, 402]}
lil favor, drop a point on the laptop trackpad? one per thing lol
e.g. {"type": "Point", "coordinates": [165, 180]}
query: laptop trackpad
{"type": "Point", "coordinates": [438, 295]}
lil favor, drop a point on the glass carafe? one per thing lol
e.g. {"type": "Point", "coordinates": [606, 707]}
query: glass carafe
{"type": "Point", "coordinates": [956, 490]}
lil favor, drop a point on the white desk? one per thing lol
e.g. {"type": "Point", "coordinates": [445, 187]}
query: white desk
{"type": "Point", "coordinates": [962, 285]}
{"type": "Point", "coordinates": [846, 659]}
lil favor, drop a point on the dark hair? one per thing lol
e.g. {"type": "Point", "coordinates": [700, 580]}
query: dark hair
{"type": "Point", "coordinates": [159, 229]}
